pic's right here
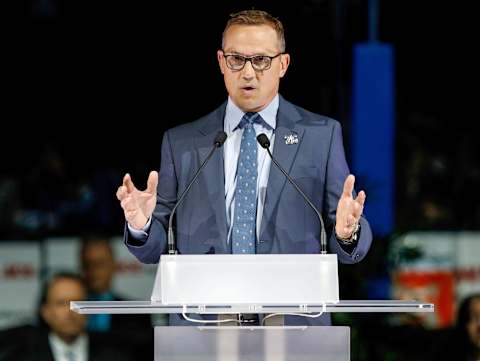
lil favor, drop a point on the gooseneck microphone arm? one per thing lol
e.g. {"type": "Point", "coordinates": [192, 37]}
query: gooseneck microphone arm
{"type": "Point", "coordinates": [265, 143]}
{"type": "Point", "coordinates": [217, 143]}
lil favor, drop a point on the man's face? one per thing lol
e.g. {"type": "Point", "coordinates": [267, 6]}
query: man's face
{"type": "Point", "coordinates": [98, 267]}
{"type": "Point", "coordinates": [473, 326]}
{"type": "Point", "coordinates": [249, 89]}
{"type": "Point", "coordinates": [67, 324]}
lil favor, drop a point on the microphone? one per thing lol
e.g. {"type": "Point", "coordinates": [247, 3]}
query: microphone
{"type": "Point", "coordinates": [217, 143]}
{"type": "Point", "coordinates": [265, 143]}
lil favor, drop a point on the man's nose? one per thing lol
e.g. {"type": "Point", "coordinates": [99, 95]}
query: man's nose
{"type": "Point", "coordinates": [248, 73]}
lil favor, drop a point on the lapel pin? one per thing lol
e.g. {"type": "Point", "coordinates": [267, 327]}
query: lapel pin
{"type": "Point", "coordinates": [291, 139]}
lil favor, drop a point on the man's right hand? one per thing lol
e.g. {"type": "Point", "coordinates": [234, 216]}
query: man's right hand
{"type": "Point", "coordinates": [138, 205]}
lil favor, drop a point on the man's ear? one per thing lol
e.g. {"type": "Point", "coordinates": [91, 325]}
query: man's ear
{"type": "Point", "coordinates": [284, 63]}
{"type": "Point", "coordinates": [221, 63]}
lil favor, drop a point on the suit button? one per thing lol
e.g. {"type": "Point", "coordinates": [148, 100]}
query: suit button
{"type": "Point", "coordinates": [357, 256]}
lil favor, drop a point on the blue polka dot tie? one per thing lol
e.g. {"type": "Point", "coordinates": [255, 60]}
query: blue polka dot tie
{"type": "Point", "coordinates": [245, 212]}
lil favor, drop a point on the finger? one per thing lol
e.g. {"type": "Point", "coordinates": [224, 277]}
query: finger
{"type": "Point", "coordinates": [121, 192]}
{"type": "Point", "coordinates": [348, 186]}
{"type": "Point", "coordinates": [361, 198]}
{"type": "Point", "coordinates": [124, 203]}
{"type": "Point", "coordinates": [127, 182]}
{"type": "Point", "coordinates": [152, 182]}
{"type": "Point", "coordinates": [357, 211]}
{"type": "Point", "coordinates": [358, 206]}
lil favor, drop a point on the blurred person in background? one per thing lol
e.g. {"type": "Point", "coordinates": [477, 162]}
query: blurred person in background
{"type": "Point", "coordinates": [98, 268]}
{"type": "Point", "coordinates": [468, 326]}
{"type": "Point", "coordinates": [62, 335]}
{"type": "Point", "coordinates": [462, 343]}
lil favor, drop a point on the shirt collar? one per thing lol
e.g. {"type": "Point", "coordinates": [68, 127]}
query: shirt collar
{"type": "Point", "coordinates": [61, 347]}
{"type": "Point", "coordinates": [233, 114]}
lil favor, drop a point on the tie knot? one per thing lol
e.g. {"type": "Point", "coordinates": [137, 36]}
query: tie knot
{"type": "Point", "coordinates": [250, 118]}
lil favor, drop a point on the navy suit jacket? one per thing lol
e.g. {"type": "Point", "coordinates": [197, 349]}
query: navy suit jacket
{"type": "Point", "coordinates": [317, 163]}
{"type": "Point", "coordinates": [28, 343]}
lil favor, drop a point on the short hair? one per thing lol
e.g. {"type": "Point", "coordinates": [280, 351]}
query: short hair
{"type": "Point", "coordinates": [256, 17]}
{"type": "Point", "coordinates": [46, 288]}
{"type": "Point", "coordinates": [60, 275]}
{"type": "Point", "coordinates": [95, 238]}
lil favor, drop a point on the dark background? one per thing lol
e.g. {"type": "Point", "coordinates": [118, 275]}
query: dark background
{"type": "Point", "coordinates": [88, 91]}
{"type": "Point", "coordinates": [98, 82]}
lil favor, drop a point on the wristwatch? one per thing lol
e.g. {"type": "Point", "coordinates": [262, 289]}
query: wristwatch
{"type": "Point", "coordinates": [353, 238]}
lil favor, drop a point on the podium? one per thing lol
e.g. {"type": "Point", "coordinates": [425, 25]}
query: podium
{"type": "Point", "coordinates": [252, 343]}
{"type": "Point", "coordinates": [308, 283]}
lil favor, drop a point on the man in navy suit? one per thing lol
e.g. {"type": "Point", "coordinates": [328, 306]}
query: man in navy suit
{"type": "Point", "coordinates": [309, 146]}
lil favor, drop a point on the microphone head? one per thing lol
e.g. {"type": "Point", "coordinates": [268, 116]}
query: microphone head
{"type": "Point", "coordinates": [220, 138]}
{"type": "Point", "coordinates": [263, 140]}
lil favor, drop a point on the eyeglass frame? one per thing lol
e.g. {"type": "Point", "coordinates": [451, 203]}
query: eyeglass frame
{"type": "Point", "coordinates": [250, 58]}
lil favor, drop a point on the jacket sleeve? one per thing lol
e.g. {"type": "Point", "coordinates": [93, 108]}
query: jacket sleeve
{"type": "Point", "coordinates": [155, 243]}
{"type": "Point", "coordinates": [337, 172]}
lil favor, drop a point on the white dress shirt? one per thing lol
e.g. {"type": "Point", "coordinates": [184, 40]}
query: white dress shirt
{"type": "Point", "coordinates": [61, 350]}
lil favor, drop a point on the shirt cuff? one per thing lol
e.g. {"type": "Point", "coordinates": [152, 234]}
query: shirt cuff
{"type": "Point", "coordinates": [140, 234]}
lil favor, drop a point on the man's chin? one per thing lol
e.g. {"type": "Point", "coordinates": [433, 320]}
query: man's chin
{"type": "Point", "coordinates": [250, 105]}
{"type": "Point", "coordinates": [70, 335]}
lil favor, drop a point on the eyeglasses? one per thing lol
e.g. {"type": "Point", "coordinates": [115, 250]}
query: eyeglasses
{"type": "Point", "coordinates": [259, 62]}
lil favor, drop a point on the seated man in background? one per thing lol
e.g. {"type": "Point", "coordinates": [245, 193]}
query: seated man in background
{"type": "Point", "coordinates": [65, 337]}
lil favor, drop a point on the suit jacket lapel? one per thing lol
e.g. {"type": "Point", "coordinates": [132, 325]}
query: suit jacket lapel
{"type": "Point", "coordinates": [285, 154]}
{"type": "Point", "coordinates": [213, 173]}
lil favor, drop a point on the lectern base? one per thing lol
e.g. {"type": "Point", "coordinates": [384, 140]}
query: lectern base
{"type": "Point", "coordinates": [275, 343]}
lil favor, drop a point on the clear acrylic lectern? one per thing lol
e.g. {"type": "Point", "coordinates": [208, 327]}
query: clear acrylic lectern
{"type": "Point", "coordinates": [246, 284]}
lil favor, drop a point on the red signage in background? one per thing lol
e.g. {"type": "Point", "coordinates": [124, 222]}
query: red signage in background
{"type": "Point", "coordinates": [436, 267]}
{"type": "Point", "coordinates": [13, 271]}
{"type": "Point", "coordinates": [437, 287]}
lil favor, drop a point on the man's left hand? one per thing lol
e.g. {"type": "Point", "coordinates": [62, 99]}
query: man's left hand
{"type": "Point", "coordinates": [349, 209]}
